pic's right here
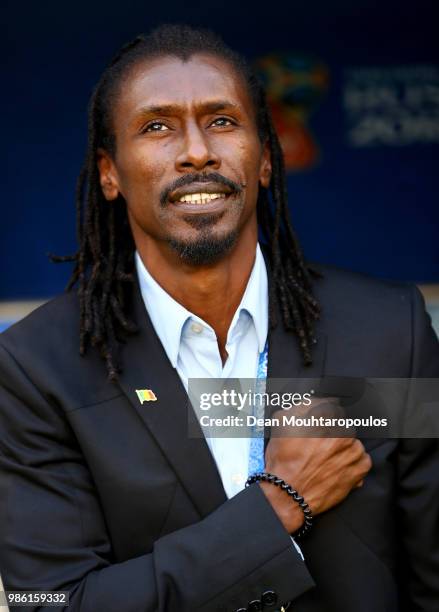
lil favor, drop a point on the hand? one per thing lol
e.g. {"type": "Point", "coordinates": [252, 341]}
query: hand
{"type": "Point", "coordinates": [323, 470]}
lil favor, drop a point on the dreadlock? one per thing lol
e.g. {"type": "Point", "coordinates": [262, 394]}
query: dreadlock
{"type": "Point", "coordinates": [104, 262]}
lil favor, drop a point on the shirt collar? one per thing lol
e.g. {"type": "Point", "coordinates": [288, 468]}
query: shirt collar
{"type": "Point", "coordinates": [168, 316]}
{"type": "Point", "coordinates": [255, 299]}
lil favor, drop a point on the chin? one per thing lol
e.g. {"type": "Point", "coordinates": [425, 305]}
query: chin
{"type": "Point", "coordinates": [204, 250]}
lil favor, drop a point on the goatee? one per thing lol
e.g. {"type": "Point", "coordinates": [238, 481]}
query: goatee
{"type": "Point", "coordinates": [207, 249]}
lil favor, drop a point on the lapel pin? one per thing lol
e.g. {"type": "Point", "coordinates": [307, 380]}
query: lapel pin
{"type": "Point", "coordinates": [146, 395]}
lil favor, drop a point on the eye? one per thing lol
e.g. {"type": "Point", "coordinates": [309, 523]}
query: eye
{"type": "Point", "coordinates": [155, 126]}
{"type": "Point", "coordinates": [222, 122]}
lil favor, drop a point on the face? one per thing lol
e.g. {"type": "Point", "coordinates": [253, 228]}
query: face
{"type": "Point", "coordinates": [188, 159]}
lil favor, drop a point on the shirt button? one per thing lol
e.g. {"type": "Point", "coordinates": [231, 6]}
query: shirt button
{"type": "Point", "coordinates": [196, 328]}
{"type": "Point", "coordinates": [254, 606]}
{"type": "Point", "coordinates": [238, 478]}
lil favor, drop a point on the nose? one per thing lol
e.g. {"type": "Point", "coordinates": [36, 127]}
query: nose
{"type": "Point", "coordinates": [196, 152]}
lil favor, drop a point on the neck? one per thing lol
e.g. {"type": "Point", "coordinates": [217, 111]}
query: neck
{"type": "Point", "coordinates": [212, 292]}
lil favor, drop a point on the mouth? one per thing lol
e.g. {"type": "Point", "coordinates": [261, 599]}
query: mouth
{"type": "Point", "coordinates": [201, 197]}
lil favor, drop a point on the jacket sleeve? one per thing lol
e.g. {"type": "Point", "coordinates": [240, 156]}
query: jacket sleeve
{"type": "Point", "coordinates": [418, 478]}
{"type": "Point", "coordinates": [53, 534]}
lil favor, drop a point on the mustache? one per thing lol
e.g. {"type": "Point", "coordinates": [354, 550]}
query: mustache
{"type": "Point", "coordinates": [188, 179]}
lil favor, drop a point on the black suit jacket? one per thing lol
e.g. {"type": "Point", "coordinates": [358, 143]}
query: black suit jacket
{"type": "Point", "coordinates": [111, 500]}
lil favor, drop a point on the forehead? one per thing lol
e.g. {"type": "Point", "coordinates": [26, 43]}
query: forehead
{"type": "Point", "coordinates": [187, 83]}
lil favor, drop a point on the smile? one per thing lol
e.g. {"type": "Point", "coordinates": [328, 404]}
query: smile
{"type": "Point", "coordinates": [200, 198]}
{"type": "Point", "coordinates": [201, 193]}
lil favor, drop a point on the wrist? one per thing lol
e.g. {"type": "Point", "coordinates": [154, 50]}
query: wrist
{"type": "Point", "coordinates": [293, 496]}
{"type": "Point", "coordinates": [290, 515]}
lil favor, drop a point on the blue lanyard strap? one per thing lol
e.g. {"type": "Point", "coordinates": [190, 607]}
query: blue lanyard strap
{"type": "Point", "coordinates": [256, 460]}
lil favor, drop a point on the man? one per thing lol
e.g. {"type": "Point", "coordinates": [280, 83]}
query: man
{"type": "Point", "coordinates": [106, 496]}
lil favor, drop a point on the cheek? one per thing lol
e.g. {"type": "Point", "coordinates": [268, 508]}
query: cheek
{"type": "Point", "coordinates": [251, 155]}
{"type": "Point", "coordinates": [243, 156]}
{"type": "Point", "coordinates": [141, 173]}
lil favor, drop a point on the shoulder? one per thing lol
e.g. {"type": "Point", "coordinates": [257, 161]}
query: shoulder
{"type": "Point", "coordinates": [346, 291]}
{"type": "Point", "coordinates": [43, 348]}
{"type": "Point", "coordinates": [56, 320]}
{"type": "Point", "coordinates": [374, 325]}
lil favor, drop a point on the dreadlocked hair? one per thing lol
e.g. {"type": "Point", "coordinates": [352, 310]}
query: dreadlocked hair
{"type": "Point", "coordinates": [104, 262]}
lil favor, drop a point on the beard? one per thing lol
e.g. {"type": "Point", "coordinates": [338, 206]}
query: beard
{"type": "Point", "coordinates": [207, 248]}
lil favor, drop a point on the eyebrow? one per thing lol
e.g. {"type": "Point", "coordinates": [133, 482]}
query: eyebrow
{"type": "Point", "coordinates": [172, 109]}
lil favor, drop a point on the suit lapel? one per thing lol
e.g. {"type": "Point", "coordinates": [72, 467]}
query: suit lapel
{"type": "Point", "coordinates": [146, 366]}
{"type": "Point", "coordinates": [285, 358]}
{"type": "Point", "coordinates": [284, 355]}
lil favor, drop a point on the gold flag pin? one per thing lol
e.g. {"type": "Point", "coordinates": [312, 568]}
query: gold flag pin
{"type": "Point", "coordinates": [146, 395]}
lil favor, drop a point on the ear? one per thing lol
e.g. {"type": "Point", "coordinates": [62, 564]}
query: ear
{"type": "Point", "coordinates": [107, 175]}
{"type": "Point", "coordinates": [265, 166]}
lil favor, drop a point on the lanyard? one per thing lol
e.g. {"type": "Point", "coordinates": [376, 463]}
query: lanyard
{"type": "Point", "coordinates": [256, 460]}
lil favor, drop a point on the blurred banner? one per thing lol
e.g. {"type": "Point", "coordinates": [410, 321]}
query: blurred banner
{"type": "Point", "coordinates": [354, 90]}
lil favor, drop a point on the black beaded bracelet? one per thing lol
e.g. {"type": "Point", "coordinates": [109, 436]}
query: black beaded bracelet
{"type": "Point", "coordinates": [279, 482]}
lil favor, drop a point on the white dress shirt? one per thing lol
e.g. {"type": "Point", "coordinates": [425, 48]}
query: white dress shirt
{"type": "Point", "coordinates": [192, 348]}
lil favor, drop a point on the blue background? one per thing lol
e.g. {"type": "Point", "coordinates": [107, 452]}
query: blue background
{"type": "Point", "coordinates": [373, 210]}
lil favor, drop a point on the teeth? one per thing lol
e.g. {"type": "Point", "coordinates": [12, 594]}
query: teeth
{"type": "Point", "coordinates": [200, 198]}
